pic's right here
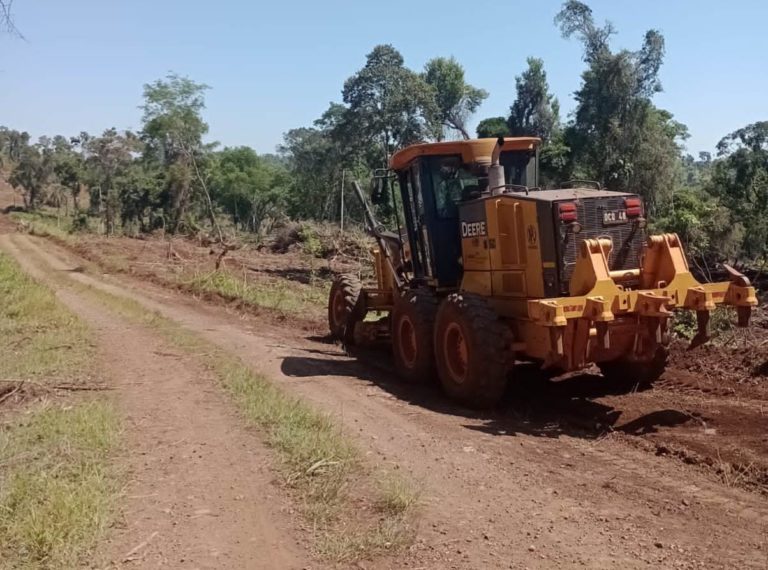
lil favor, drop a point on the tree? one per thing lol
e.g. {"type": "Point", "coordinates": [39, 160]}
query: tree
{"type": "Point", "coordinates": [6, 18]}
{"type": "Point", "coordinates": [69, 168]}
{"type": "Point", "coordinates": [493, 127]}
{"type": "Point", "coordinates": [32, 173]}
{"type": "Point", "coordinates": [173, 130]}
{"type": "Point", "coordinates": [455, 99]}
{"type": "Point", "coordinates": [705, 226]}
{"type": "Point", "coordinates": [107, 158]}
{"type": "Point", "coordinates": [740, 181]}
{"type": "Point", "coordinates": [535, 112]}
{"type": "Point", "coordinates": [618, 136]}
{"type": "Point", "coordinates": [249, 188]}
{"type": "Point", "coordinates": [314, 166]}
{"type": "Point", "coordinates": [138, 187]}
{"type": "Point", "coordinates": [12, 144]}
{"type": "Point", "coordinates": [390, 105]}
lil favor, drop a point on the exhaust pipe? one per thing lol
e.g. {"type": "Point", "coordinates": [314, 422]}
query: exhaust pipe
{"type": "Point", "coordinates": [496, 180]}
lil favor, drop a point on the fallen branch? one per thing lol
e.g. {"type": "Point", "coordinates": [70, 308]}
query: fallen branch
{"type": "Point", "coordinates": [83, 388]}
{"type": "Point", "coordinates": [7, 395]}
{"type": "Point", "coordinates": [65, 387]}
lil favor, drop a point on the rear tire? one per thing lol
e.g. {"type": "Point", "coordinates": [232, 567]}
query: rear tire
{"type": "Point", "coordinates": [413, 321]}
{"type": "Point", "coordinates": [344, 309]}
{"type": "Point", "coordinates": [472, 350]}
{"type": "Point", "coordinates": [640, 374]}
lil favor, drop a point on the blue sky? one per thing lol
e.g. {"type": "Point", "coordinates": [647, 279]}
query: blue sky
{"type": "Point", "coordinates": [274, 66]}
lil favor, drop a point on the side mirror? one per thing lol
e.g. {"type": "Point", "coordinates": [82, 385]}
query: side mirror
{"type": "Point", "coordinates": [380, 190]}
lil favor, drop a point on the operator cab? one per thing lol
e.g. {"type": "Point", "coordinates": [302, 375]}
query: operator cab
{"type": "Point", "coordinates": [435, 178]}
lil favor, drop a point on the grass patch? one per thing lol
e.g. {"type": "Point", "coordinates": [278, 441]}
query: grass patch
{"type": "Point", "coordinates": [315, 458]}
{"type": "Point", "coordinates": [45, 224]}
{"type": "Point", "coordinates": [56, 490]}
{"type": "Point", "coordinates": [39, 339]}
{"type": "Point", "coordinates": [286, 298]}
{"type": "Point", "coordinates": [397, 495]}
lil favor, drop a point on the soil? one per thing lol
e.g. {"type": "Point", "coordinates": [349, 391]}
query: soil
{"type": "Point", "coordinates": [570, 472]}
{"type": "Point", "coordinates": [199, 494]}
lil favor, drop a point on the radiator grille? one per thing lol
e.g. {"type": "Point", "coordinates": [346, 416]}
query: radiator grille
{"type": "Point", "coordinates": [627, 238]}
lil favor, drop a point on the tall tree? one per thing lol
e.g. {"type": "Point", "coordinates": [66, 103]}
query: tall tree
{"type": "Point", "coordinates": [618, 134]}
{"type": "Point", "coordinates": [107, 158]}
{"type": "Point", "coordinates": [389, 104]}
{"type": "Point", "coordinates": [69, 168]}
{"type": "Point", "coordinates": [173, 130]}
{"type": "Point", "coordinates": [535, 112]}
{"type": "Point", "coordinates": [31, 173]}
{"type": "Point", "coordinates": [456, 100]}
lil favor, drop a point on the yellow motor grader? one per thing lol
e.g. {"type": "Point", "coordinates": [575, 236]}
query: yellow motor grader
{"type": "Point", "coordinates": [489, 269]}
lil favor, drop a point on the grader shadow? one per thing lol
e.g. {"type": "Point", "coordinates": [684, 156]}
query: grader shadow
{"type": "Point", "coordinates": [534, 403]}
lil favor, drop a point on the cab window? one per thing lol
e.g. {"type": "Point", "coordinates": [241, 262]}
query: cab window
{"type": "Point", "coordinates": [451, 183]}
{"type": "Point", "coordinates": [519, 167]}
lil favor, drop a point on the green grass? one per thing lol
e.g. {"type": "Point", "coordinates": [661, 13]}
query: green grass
{"type": "Point", "coordinates": [56, 485]}
{"type": "Point", "coordinates": [39, 339]}
{"type": "Point", "coordinates": [287, 297]}
{"type": "Point", "coordinates": [44, 223]}
{"type": "Point", "coordinates": [321, 464]}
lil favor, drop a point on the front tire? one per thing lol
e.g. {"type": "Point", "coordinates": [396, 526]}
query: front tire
{"type": "Point", "coordinates": [344, 307]}
{"type": "Point", "coordinates": [472, 350]}
{"type": "Point", "coordinates": [413, 320]}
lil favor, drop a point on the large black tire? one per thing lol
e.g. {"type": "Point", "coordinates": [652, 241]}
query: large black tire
{"type": "Point", "coordinates": [344, 309]}
{"type": "Point", "coordinates": [473, 350]}
{"type": "Point", "coordinates": [413, 320]}
{"type": "Point", "coordinates": [636, 374]}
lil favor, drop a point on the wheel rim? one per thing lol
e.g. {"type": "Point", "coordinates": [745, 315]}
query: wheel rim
{"type": "Point", "coordinates": [407, 341]}
{"type": "Point", "coordinates": [339, 309]}
{"type": "Point", "coordinates": [456, 353]}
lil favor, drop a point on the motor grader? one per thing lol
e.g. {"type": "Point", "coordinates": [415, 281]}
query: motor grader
{"type": "Point", "coordinates": [489, 269]}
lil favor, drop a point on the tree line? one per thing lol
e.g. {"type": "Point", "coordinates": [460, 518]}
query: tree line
{"type": "Point", "coordinates": [165, 176]}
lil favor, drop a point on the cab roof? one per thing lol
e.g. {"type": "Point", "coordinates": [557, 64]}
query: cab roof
{"type": "Point", "coordinates": [471, 151]}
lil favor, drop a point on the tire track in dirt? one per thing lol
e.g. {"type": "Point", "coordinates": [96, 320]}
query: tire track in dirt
{"type": "Point", "coordinates": [502, 491]}
{"type": "Point", "coordinates": [199, 493]}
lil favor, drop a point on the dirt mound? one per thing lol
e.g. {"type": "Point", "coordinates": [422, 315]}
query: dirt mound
{"type": "Point", "coordinates": [746, 362]}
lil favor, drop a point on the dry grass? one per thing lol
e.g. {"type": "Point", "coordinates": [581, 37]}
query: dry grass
{"type": "Point", "coordinates": [397, 495]}
{"type": "Point", "coordinates": [284, 297]}
{"type": "Point", "coordinates": [56, 488]}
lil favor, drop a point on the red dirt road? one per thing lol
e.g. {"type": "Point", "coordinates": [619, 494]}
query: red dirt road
{"type": "Point", "coordinates": [199, 487]}
{"type": "Point", "coordinates": [541, 483]}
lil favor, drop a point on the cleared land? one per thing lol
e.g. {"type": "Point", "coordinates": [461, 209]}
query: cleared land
{"type": "Point", "coordinates": [571, 472]}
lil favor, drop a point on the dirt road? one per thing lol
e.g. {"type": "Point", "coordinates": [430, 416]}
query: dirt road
{"type": "Point", "coordinates": [199, 493]}
{"type": "Point", "coordinates": [536, 485]}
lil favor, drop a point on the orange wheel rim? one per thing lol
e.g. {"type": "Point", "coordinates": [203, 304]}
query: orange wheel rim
{"type": "Point", "coordinates": [456, 353]}
{"type": "Point", "coordinates": [407, 341]}
{"type": "Point", "coordinates": [338, 310]}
